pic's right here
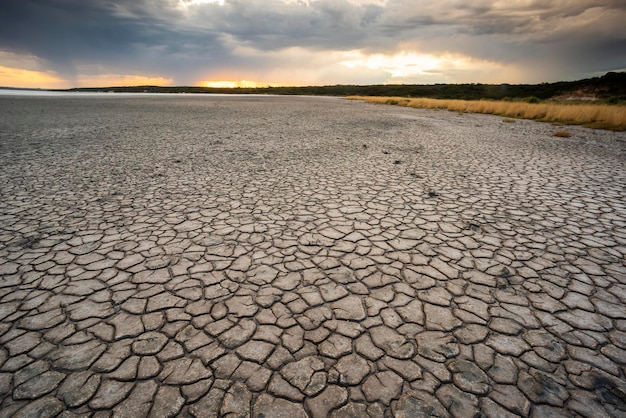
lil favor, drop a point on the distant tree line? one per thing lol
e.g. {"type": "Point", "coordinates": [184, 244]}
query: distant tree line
{"type": "Point", "coordinates": [611, 88]}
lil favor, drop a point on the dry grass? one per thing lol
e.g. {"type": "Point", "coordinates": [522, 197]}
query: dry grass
{"type": "Point", "coordinates": [562, 134]}
{"type": "Point", "coordinates": [601, 116]}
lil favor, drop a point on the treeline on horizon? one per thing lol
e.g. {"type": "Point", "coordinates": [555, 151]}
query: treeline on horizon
{"type": "Point", "coordinates": [609, 88]}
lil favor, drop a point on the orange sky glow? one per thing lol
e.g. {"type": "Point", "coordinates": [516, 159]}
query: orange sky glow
{"type": "Point", "coordinates": [22, 78]}
{"type": "Point", "coordinates": [233, 84]}
{"type": "Point", "coordinates": [18, 77]}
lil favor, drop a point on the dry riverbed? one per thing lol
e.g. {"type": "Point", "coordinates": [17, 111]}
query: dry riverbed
{"type": "Point", "coordinates": [224, 256]}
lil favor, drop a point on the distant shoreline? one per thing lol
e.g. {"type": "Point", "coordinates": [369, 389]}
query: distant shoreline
{"type": "Point", "coordinates": [72, 92]}
{"type": "Point", "coordinates": [609, 88]}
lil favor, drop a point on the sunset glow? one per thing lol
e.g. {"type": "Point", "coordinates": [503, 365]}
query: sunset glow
{"type": "Point", "coordinates": [16, 77]}
{"type": "Point", "coordinates": [232, 84]}
{"type": "Point", "coordinates": [107, 80]}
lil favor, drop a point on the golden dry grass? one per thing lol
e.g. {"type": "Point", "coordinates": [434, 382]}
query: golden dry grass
{"type": "Point", "coordinates": [601, 116]}
{"type": "Point", "coordinates": [562, 134]}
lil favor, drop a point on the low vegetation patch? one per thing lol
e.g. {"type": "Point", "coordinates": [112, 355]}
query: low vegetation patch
{"type": "Point", "coordinates": [602, 116]}
{"type": "Point", "coordinates": [562, 134]}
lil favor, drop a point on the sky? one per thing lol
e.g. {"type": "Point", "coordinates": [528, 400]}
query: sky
{"type": "Point", "coordinates": [79, 43]}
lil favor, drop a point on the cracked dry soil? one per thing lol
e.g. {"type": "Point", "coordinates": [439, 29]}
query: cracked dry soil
{"type": "Point", "coordinates": [306, 257]}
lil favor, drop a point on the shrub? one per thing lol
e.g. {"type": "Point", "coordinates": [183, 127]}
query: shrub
{"type": "Point", "coordinates": [532, 99]}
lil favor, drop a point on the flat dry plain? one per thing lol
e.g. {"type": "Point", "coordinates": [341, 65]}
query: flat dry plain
{"type": "Point", "coordinates": [297, 256]}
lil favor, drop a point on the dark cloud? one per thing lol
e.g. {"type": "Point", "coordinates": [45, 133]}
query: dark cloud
{"type": "Point", "coordinates": [568, 37]}
{"type": "Point", "coordinates": [131, 35]}
{"type": "Point", "coordinates": [56, 28]}
{"type": "Point", "coordinates": [269, 25]}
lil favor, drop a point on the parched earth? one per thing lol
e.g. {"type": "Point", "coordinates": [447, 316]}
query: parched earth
{"type": "Point", "coordinates": [290, 257]}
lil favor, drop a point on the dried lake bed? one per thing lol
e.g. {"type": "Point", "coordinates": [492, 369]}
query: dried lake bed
{"type": "Point", "coordinates": [201, 256]}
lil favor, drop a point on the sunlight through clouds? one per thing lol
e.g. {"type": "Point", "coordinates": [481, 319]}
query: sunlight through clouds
{"type": "Point", "coordinates": [398, 65]}
{"type": "Point", "coordinates": [189, 3]}
{"type": "Point", "coordinates": [187, 6]}
{"type": "Point", "coordinates": [410, 66]}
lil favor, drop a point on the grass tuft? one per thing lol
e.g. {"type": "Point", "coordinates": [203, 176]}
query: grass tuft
{"type": "Point", "coordinates": [602, 116]}
{"type": "Point", "coordinates": [562, 134]}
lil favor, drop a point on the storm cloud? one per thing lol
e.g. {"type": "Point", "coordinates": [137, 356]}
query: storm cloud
{"type": "Point", "coordinates": [314, 42]}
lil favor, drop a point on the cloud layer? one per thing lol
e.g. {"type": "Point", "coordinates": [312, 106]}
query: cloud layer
{"type": "Point", "coordinates": [311, 42]}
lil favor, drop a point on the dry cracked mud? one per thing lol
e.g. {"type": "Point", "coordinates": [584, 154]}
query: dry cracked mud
{"type": "Point", "coordinates": [233, 256]}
